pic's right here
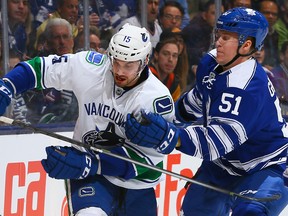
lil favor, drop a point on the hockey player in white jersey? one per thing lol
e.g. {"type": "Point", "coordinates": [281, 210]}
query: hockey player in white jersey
{"type": "Point", "coordinates": [107, 87]}
{"type": "Point", "coordinates": [242, 138]}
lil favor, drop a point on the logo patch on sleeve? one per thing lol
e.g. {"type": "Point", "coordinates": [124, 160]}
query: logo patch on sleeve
{"type": "Point", "coordinates": [95, 58]}
{"type": "Point", "coordinates": [163, 105]}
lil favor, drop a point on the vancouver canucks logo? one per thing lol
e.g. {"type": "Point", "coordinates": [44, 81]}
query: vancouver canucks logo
{"type": "Point", "coordinates": [208, 80]}
{"type": "Point", "coordinates": [103, 138]}
{"type": "Point", "coordinates": [144, 37]}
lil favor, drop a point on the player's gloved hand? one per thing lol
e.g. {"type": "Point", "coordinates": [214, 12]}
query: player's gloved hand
{"type": "Point", "coordinates": [285, 177]}
{"type": "Point", "coordinates": [5, 97]}
{"type": "Point", "coordinates": [152, 131]}
{"type": "Point", "coordinates": [69, 163]}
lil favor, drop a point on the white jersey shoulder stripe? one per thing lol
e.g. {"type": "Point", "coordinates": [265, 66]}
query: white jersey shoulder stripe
{"type": "Point", "coordinates": [237, 78]}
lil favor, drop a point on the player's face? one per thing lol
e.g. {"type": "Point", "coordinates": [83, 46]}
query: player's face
{"type": "Point", "coordinates": [125, 73]}
{"type": "Point", "coordinates": [226, 46]}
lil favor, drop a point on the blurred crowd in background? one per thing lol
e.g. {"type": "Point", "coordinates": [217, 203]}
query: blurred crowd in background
{"type": "Point", "coordinates": [182, 31]}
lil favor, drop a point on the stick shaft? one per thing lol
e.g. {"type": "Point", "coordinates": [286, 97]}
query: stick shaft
{"type": "Point", "coordinates": [106, 152]}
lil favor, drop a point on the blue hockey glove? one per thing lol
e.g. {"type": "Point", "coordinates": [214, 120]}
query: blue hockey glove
{"type": "Point", "coordinates": [285, 177]}
{"type": "Point", "coordinates": [68, 163]}
{"type": "Point", "coordinates": [152, 131]}
{"type": "Point", "coordinates": [5, 97]}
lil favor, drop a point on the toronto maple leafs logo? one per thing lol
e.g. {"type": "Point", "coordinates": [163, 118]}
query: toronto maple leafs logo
{"type": "Point", "coordinates": [250, 11]}
{"type": "Point", "coordinates": [226, 13]}
{"type": "Point", "coordinates": [208, 80]}
{"type": "Point", "coordinates": [103, 138]}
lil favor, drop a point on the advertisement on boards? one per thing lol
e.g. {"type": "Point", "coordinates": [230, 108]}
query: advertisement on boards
{"type": "Point", "coordinates": [26, 189]}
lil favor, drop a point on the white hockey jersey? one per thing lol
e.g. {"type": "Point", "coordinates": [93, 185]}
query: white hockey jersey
{"type": "Point", "coordinates": [103, 106]}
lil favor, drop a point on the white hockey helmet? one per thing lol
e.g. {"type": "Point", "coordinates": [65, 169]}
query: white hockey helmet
{"type": "Point", "coordinates": [130, 43]}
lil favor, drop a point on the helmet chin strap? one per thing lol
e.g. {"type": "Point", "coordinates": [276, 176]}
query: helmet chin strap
{"type": "Point", "coordinates": [238, 55]}
{"type": "Point", "coordinates": [233, 59]}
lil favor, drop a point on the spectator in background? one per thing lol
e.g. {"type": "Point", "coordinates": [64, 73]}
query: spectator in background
{"type": "Point", "coordinates": [163, 64]}
{"type": "Point", "coordinates": [105, 36]}
{"type": "Point", "coordinates": [240, 3]}
{"type": "Point", "coordinates": [59, 39]}
{"type": "Point", "coordinates": [94, 19]}
{"type": "Point", "coordinates": [260, 56]}
{"type": "Point", "coordinates": [51, 105]}
{"type": "Point", "coordinates": [66, 9]}
{"type": "Point", "coordinates": [281, 25]}
{"type": "Point", "coordinates": [171, 15]}
{"type": "Point", "coordinates": [14, 58]}
{"type": "Point", "coordinates": [152, 24]}
{"type": "Point", "coordinates": [18, 106]}
{"type": "Point", "coordinates": [198, 35]}
{"type": "Point", "coordinates": [184, 4]}
{"type": "Point", "coordinates": [41, 10]}
{"type": "Point", "coordinates": [182, 66]}
{"type": "Point", "coordinates": [19, 25]}
{"type": "Point", "coordinates": [280, 79]}
{"type": "Point", "coordinates": [40, 47]}
{"type": "Point", "coordinates": [94, 39]}
{"type": "Point", "coordinates": [110, 12]}
{"type": "Point", "coordinates": [269, 9]}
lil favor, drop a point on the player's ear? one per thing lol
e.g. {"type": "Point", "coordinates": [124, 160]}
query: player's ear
{"type": "Point", "coordinates": [247, 46]}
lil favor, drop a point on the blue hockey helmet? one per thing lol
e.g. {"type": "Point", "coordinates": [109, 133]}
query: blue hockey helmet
{"type": "Point", "coordinates": [246, 23]}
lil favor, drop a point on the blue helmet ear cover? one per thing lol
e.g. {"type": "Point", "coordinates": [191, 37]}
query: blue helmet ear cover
{"type": "Point", "coordinates": [246, 22]}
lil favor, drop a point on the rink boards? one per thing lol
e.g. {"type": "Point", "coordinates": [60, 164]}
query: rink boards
{"type": "Point", "coordinates": [26, 190]}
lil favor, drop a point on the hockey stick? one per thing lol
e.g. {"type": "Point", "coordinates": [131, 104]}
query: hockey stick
{"type": "Point", "coordinates": [103, 151]}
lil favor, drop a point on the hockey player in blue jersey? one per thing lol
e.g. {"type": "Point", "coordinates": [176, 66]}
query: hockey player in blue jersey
{"type": "Point", "coordinates": [242, 137]}
{"type": "Point", "coordinates": [107, 88]}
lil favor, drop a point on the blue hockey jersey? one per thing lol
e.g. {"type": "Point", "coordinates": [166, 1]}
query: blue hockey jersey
{"type": "Point", "coordinates": [243, 130]}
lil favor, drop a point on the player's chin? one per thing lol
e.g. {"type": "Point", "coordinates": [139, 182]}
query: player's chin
{"type": "Point", "coordinates": [120, 81]}
{"type": "Point", "coordinates": [121, 84]}
{"type": "Point", "coordinates": [221, 61]}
